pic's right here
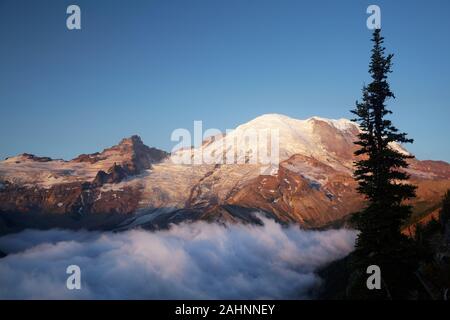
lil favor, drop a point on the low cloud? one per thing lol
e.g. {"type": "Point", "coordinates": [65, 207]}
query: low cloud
{"type": "Point", "coordinates": [188, 261]}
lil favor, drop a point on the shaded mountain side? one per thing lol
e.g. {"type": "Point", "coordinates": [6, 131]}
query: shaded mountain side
{"type": "Point", "coordinates": [158, 218]}
{"type": "Point", "coordinates": [70, 198]}
{"type": "Point", "coordinates": [12, 222]}
{"type": "Point", "coordinates": [431, 236]}
{"type": "Point", "coordinates": [161, 218]}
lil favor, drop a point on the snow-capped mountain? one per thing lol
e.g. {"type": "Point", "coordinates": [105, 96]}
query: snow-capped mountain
{"type": "Point", "coordinates": [132, 184]}
{"type": "Point", "coordinates": [306, 137]}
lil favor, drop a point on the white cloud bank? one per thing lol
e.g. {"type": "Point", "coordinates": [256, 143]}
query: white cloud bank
{"type": "Point", "coordinates": [189, 261]}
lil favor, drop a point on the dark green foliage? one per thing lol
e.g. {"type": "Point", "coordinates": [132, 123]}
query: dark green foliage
{"type": "Point", "coordinates": [423, 236]}
{"type": "Point", "coordinates": [426, 231]}
{"type": "Point", "coordinates": [335, 276]}
{"type": "Point", "coordinates": [382, 179]}
{"type": "Point", "coordinates": [445, 211]}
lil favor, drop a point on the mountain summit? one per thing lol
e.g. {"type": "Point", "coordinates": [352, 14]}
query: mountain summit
{"type": "Point", "coordinates": [143, 186]}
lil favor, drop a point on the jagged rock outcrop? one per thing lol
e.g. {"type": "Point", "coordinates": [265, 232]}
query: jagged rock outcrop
{"type": "Point", "coordinates": [115, 174]}
{"type": "Point", "coordinates": [131, 153]}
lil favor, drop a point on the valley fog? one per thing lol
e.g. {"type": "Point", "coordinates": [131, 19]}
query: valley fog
{"type": "Point", "coordinates": [189, 261]}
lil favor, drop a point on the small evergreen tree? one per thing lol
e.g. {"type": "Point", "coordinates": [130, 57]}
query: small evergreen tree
{"type": "Point", "coordinates": [382, 179]}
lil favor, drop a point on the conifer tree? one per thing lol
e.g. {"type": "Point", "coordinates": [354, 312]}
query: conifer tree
{"type": "Point", "coordinates": [383, 181]}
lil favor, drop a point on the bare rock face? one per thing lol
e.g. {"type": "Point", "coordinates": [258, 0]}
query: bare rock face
{"type": "Point", "coordinates": [139, 157]}
{"type": "Point", "coordinates": [32, 157]}
{"type": "Point", "coordinates": [295, 197]}
{"type": "Point", "coordinates": [84, 185]}
{"type": "Point", "coordinates": [115, 175]}
{"type": "Point", "coordinates": [131, 154]}
{"type": "Point", "coordinates": [144, 186]}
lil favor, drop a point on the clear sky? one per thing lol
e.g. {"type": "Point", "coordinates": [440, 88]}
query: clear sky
{"type": "Point", "coordinates": [149, 67]}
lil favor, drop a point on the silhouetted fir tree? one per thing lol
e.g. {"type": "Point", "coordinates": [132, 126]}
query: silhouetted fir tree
{"type": "Point", "coordinates": [382, 179]}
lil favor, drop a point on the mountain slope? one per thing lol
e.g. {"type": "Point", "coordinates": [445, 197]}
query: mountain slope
{"type": "Point", "coordinates": [312, 184]}
{"type": "Point", "coordinates": [87, 184]}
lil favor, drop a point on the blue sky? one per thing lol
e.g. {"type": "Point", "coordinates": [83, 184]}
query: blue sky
{"type": "Point", "coordinates": [148, 67]}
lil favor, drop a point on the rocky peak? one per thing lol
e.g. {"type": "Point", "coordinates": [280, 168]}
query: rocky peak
{"type": "Point", "coordinates": [141, 156]}
{"type": "Point", "coordinates": [131, 154]}
{"type": "Point", "coordinates": [29, 157]}
{"type": "Point", "coordinates": [134, 140]}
